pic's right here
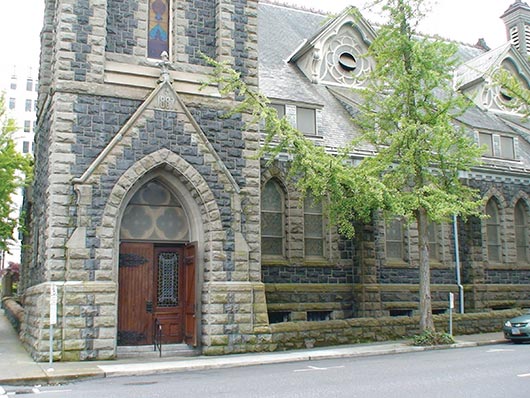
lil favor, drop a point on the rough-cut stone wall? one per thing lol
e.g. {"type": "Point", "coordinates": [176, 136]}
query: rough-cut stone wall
{"type": "Point", "coordinates": [296, 335]}
{"type": "Point", "coordinates": [121, 26]}
{"type": "Point", "coordinates": [79, 194]}
{"type": "Point", "coordinates": [200, 30]}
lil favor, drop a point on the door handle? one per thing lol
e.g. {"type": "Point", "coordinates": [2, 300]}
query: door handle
{"type": "Point", "coordinates": [149, 306]}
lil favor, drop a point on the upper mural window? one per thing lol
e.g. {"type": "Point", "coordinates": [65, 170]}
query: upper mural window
{"type": "Point", "coordinates": [158, 36]}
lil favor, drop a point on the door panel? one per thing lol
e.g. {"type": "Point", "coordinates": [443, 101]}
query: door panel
{"type": "Point", "coordinates": [156, 283]}
{"type": "Point", "coordinates": [190, 321]}
{"type": "Point", "coordinates": [169, 293]}
{"type": "Point", "coordinates": [135, 323]}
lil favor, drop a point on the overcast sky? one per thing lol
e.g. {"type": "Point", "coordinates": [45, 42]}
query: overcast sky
{"type": "Point", "coordinates": [463, 20]}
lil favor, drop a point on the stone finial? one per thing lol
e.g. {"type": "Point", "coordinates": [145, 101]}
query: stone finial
{"type": "Point", "coordinates": [164, 65]}
{"type": "Point", "coordinates": [481, 43]}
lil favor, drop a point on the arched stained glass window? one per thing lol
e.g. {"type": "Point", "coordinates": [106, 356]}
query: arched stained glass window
{"type": "Point", "coordinates": [272, 219]}
{"type": "Point", "coordinates": [313, 228]}
{"type": "Point", "coordinates": [154, 214]}
{"type": "Point", "coordinates": [158, 30]}
{"type": "Point", "coordinates": [434, 241]}
{"type": "Point", "coordinates": [493, 231]}
{"type": "Point", "coordinates": [394, 240]}
{"type": "Point", "coordinates": [521, 232]}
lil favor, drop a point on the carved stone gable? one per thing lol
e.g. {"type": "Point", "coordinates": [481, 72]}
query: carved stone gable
{"type": "Point", "coordinates": [337, 54]}
{"type": "Point", "coordinates": [165, 99]}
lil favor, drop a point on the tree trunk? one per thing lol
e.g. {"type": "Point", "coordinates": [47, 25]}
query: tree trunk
{"type": "Point", "coordinates": [426, 321]}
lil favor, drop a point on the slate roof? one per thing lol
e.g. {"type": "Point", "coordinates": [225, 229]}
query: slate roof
{"type": "Point", "coordinates": [283, 29]}
{"type": "Point", "coordinates": [478, 67]}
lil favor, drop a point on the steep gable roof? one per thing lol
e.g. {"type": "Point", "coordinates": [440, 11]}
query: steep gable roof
{"type": "Point", "coordinates": [335, 54]}
{"type": "Point", "coordinates": [478, 68]}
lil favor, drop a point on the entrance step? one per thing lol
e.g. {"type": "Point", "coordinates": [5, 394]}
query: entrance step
{"type": "Point", "coordinates": [147, 351]}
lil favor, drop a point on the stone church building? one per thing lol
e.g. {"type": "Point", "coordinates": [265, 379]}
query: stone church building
{"type": "Point", "coordinates": [150, 211]}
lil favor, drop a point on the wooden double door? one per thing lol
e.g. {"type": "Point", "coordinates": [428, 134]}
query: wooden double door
{"type": "Point", "coordinates": [156, 285]}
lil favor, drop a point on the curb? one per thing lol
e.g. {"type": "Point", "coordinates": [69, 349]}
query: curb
{"type": "Point", "coordinates": [51, 377]}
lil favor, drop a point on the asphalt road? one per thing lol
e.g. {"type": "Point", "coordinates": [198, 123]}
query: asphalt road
{"type": "Point", "coordinates": [490, 371]}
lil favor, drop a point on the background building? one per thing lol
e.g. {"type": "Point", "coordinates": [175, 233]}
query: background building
{"type": "Point", "coordinates": [20, 88]}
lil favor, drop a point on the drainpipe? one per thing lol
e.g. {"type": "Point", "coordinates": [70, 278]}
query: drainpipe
{"type": "Point", "coordinates": [457, 267]}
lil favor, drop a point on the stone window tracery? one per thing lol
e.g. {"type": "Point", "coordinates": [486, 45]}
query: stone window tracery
{"type": "Point", "coordinates": [344, 62]}
{"type": "Point", "coordinates": [154, 214]}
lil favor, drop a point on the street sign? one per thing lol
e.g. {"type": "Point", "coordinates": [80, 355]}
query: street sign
{"type": "Point", "coordinates": [451, 300]}
{"type": "Point", "coordinates": [53, 304]}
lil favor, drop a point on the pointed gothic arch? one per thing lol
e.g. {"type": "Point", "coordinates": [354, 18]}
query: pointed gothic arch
{"type": "Point", "coordinates": [198, 203]}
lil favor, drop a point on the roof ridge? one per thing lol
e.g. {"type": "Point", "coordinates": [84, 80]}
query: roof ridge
{"type": "Point", "coordinates": [295, 7]}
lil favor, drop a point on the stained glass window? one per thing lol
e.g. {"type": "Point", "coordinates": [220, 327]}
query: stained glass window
{"type": "Point", "coordinates": [432, 236]}
{"type": "Point", "coordinates": [313, 228]}
{"type": "Point", "coordinates": [394, 240]}
{"type": "Point", "coordinates": [153, 213]}
{"type": "Point", "coordinates": [521, 232]}
{"type": "Point", "coordinates": [168, 279]}
{"type": "Point", "coordinates": [158, 36]}
{"type": "Point", "coordinates": [493, 231]}
{"type": "Point", "coordinates": [272, 224]}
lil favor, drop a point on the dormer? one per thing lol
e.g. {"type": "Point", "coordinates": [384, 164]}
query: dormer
{"type": "Point", "coordinates": [336, 54]}
{"type": "Point", "coordinates": [476, 78]}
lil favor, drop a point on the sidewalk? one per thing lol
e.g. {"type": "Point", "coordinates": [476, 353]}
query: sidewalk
{"type": "Point", "coordinates": [18, 368]}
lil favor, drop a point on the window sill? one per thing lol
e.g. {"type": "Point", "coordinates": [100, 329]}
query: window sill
{"type": "Point", "coordinates": [508, 267]}
{"type": "Point", "coordinates": [317, 262]}
{"type": "Point", "coordinates": [274, 261]}
{"type": "Point", "coordinates": [394, 263]}
{"type": "Point", "coordinates": [307, 262]}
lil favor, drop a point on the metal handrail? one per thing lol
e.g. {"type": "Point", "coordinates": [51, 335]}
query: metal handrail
{"type": "Point", "coordinates": [157, 337]}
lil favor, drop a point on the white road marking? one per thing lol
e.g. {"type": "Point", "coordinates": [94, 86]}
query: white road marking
{"type": "Point", "coordinates": [524, 375]}
{"type": "Point", "coordinates": [500, 350]}
{"type": "Point", "coordinates": [315, 368]}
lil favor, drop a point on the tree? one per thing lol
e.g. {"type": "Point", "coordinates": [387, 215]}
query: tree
{"type": "Point", "coordinates": [409, 114]}
{"type": "Point", "coordinates": [15, 170]}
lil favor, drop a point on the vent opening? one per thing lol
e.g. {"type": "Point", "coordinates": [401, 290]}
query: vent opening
{"type": "Point", "coordinates": [313, 316]}
{"type": "Point", "coordinates": [347, 62]}
{"type": "Point", "coordinates": [279, 316]}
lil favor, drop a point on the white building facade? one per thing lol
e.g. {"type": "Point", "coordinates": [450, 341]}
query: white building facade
{"type": "Point", "coordinates": [20, 88]}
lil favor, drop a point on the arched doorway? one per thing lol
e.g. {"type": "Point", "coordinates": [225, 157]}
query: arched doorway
{"type": "Point", "coordinates": [156, 269]}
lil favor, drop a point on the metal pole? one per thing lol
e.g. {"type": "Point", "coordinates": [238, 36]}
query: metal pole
{"type": "Point", "coordinates": [51, 346]}
{"type": "Point", "coordinates": [457, 267]}
{"type": "Point", "coordinates": [451, 306]}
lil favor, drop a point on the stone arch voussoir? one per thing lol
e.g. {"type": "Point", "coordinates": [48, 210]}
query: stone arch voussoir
{"type": "Point", "coordinates": [181, 169]}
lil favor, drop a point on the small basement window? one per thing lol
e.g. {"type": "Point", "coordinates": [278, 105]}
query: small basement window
{"type": "Point", "coordinates": [501, 307]}
{"type": "Point", "coordinates": [313, 316]}
{"type": "Point", "coordinates": [279, 316]}
{"type": "Point", "coordinates": [438, 311]}
{"type": "Point", "coordinates": [400, 312]}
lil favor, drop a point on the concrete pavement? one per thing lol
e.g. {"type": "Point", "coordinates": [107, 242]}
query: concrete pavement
{"type": "Point", "coordinates": [18, 368]}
